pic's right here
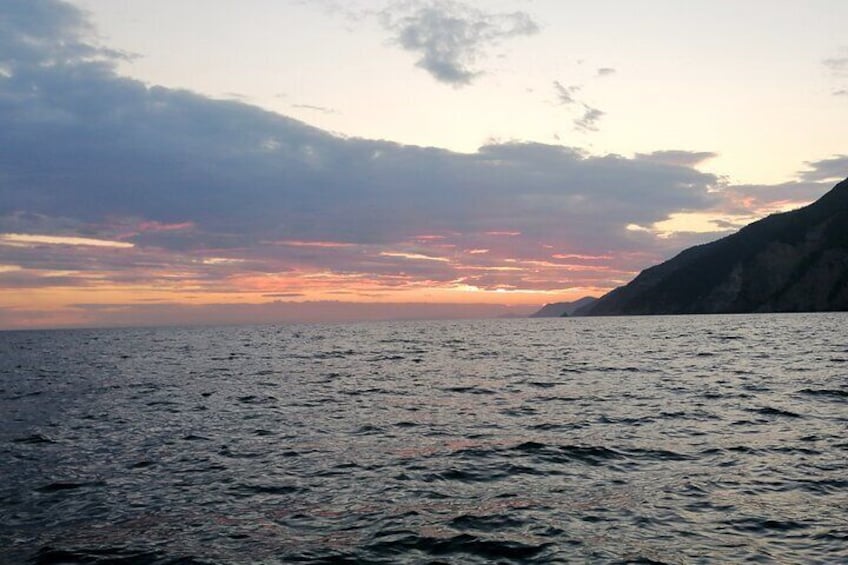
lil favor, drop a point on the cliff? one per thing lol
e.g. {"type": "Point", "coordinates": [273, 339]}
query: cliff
{"type": "Point", "coordinates": [790, 262]}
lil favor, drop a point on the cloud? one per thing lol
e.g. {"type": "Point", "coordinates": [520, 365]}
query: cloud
{"type": "Point", "coordinates": [842, 92]}
{"type": "Point", "coordinates": [20, 239]}
{"type": "Point", "coordinates": [349, 10]}
{"type": "Point", "coordinates": [107, 152]}
{"type": "Point", "coordinates": [450, 37]}
{"type": "Point", "coordinates": [678, 158]}
{"type": "Point", "coordinates": [322, 109]}
{"type": "Point", "coordinates": [605, 71]}
{"type": "Point", "coordinates": [565, 94]}
{"type": "Point", "coordinates": [46, 32]}
{"type": "Point", "coordinates": [749, 202]}
{"type": "Point", "coordinates": [833, 168]}
{"type": "Point", "coordinates": [209, 197]}
{"type": "Point", "coordinates": [589, 120]}
{"type": "Point", "coordinates": [837, 65]}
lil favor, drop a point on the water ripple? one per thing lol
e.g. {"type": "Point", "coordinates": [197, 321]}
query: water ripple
{"type": "Point", "coordinates": [711, 439]}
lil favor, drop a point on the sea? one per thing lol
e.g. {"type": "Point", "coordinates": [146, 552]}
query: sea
{"type": "Point", "coordinates": [680, 439]}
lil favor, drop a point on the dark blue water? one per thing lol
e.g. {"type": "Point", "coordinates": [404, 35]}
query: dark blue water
{"type": "Point", "coordinates": [708, 439]}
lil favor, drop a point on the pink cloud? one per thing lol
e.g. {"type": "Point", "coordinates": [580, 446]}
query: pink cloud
{"type": "Point", "coordinates": [320, 244]}
{"type": "Point", "coordinates": [580, 256]}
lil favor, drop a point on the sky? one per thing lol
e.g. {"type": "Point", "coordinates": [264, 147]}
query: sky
{"type": "Point", "coordinates": [190, 162]}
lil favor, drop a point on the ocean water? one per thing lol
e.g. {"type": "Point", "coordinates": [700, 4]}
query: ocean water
{"type": "Point", "coordinates": [705, 439]}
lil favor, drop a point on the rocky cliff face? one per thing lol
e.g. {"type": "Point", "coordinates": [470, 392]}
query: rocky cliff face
{"type": "Point", "coordinates": [791, 262]}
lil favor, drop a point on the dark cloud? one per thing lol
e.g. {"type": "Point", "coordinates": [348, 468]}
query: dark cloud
{"type": "Point", "coordinates": [46, 32]}
{"type": "Point", "coordinates": [87, 144]}
{"type": "Point", "coordinates": [834, 168]}
{"type": "Point", "coordinates": [606, 71]}
{"type": "Point", "coordinates": [842, 92]}
{"type": "Point", "coordinates": [450, 37]}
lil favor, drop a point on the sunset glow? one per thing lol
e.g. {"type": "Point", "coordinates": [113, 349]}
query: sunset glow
{"type": "Point", "coordinates": [480, 175]}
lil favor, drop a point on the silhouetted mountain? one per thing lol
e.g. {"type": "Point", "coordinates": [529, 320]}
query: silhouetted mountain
{"type": "Point", "coordinates": [560, 309]}
{"type": "Point", "coordinates": [791, 262]}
